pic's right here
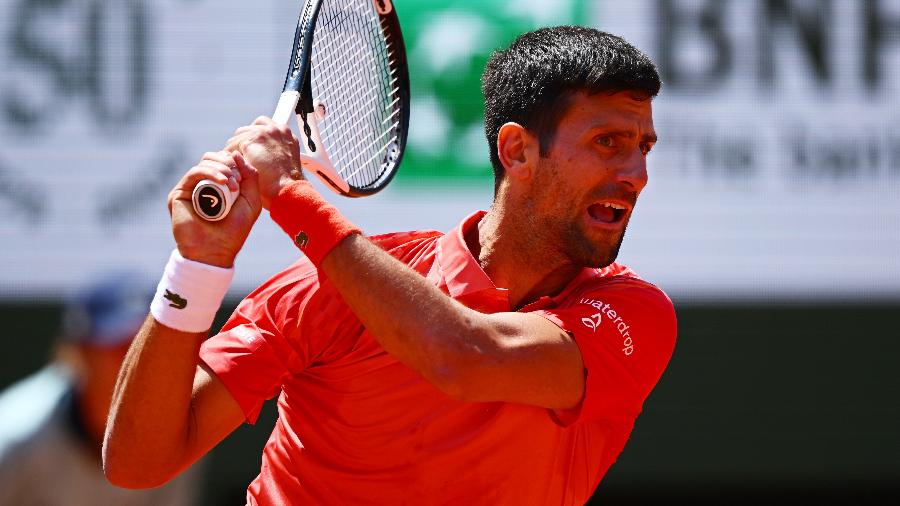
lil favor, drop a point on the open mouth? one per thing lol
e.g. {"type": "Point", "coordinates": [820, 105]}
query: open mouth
{"type": "Point", "coordinates": [607, 212]}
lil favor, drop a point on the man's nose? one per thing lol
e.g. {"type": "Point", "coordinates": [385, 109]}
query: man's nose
{"type": "Point", "coordinates": [633, 171]}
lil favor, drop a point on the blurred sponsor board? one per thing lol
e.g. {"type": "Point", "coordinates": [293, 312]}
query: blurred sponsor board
{"type": "Point", "coordinates": [777, 174]}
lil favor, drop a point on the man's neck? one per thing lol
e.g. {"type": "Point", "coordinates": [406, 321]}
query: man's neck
{"type": "Point", "coordinates": [512, 262]}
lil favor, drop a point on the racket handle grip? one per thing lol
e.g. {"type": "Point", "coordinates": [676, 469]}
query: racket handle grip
{"type": "Point", "coordinates": [212, 200]}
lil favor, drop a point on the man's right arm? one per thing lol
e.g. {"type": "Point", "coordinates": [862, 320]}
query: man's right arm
{"type": "Point", "coordinates": [167, 411]}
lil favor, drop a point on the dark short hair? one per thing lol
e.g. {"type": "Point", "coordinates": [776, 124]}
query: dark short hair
{"type": "Point", "coordinates": [532, 81]}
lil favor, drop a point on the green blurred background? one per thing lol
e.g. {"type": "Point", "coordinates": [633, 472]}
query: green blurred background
{"type": "Point", "coordinates": [449, 44]}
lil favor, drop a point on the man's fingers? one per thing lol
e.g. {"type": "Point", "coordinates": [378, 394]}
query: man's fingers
{"type": "Point", "coordinates": [297, 160]}
{"type": "Point", "coordinates": [178, 194]}
{"type": "Point", "coordinates": [199, 173]}
{"type": "Point", "coordinates": [223, 157]}
{"type": "Point", "coordinates": [257, 133]}
{"type": "Point", "coordinates": [225, 163]}
{"type": "Point", "coordinates": [231, 175]}
{"type": "Point", "coordinates": [206, 169]}
{"type": "Point", "coordinates": [261, 128]}
{"type": "Point", "coordinates": [237, 173]}
{"type": "Point", "coordinates": [244, 129]}
{"type": "Point", "coordinates": [233, 144]}
{"type": "Point", "coordinates": [225, 170]}
{"type": "Point", "coordinates": [245, 133]}
{"type": "Point", "coordinates": [287, 135]}
{"type": "Point", "coordinates": [249, 180]}
{"type": "Point", "coordinates": [244, 168]}
{"type": "Point", "coordinates": [220, 171]}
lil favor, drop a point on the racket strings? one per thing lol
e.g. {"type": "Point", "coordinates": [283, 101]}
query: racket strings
{"type": "Point", "coordinates": [350, 50]}
{"type": "Point", "coordinates": [367, 170]}
{"type": "Point", "coordinates": [353, 75]}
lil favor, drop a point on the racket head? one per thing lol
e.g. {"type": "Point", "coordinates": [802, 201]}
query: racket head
{"type": "Point", "coordinates": [356, 90]}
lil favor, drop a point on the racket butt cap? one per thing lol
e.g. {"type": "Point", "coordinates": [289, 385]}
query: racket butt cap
{"type": "Point", "coordinates": [211, 200]}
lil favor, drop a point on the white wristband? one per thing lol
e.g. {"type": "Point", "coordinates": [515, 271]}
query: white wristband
{"type": "Point", "coordinates": [189, 294]}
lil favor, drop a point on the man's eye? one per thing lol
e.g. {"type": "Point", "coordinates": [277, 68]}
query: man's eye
{"type": "Point", "coordinates": [606, 142]}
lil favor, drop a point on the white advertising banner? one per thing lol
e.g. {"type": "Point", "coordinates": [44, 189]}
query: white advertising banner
{"type": "Point", "coordinates": [777, 174]}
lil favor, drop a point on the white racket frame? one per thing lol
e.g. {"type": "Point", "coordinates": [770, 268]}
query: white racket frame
{"type": "Point", "coordinates": [316, 161]}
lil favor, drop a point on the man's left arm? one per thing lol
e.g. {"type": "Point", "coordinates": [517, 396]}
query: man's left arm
{"type": "Point", "coordinates": [472, 356]}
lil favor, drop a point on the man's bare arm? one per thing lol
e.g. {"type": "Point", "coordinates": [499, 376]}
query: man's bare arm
{"type": "Point", "coordinates": [166, 411]}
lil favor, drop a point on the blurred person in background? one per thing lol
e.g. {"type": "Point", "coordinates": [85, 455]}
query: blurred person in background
{"type": "Point", "coordinates": [52, 423]}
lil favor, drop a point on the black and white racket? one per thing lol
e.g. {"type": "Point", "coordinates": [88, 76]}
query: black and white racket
{"type": "Point", "coordinates": [349, 87]}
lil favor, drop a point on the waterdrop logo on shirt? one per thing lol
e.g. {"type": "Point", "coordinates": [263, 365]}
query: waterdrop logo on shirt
{"type": "Point", "coordinates": [614, 317]}
{"type": "Point", "coordinates": [593, 321]}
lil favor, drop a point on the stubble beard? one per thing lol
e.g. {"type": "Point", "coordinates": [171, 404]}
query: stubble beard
{"type": "Point", "coordinates": [564, 234]}
{"type": "Point", "coordinates": [563, 230]}
{"type": "Point", "coordinates": [584, 251]}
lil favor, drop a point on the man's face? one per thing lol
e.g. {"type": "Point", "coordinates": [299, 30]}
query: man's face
{"type": "Point", "coordinates": [585, 188]}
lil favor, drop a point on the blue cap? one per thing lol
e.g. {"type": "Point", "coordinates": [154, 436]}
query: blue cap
{"type": "Point", "coordinates": [108, 312]}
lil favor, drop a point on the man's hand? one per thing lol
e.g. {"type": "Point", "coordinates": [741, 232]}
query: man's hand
{"type": "Point", "coordinates": [273, 151]}
{"type": "Point", "coordinates": [215, 243]}
{"type": "Point", "coordinates": [259, 160]}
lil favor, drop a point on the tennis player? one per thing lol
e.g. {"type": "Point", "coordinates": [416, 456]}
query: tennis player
{"type": "Point", "coordinates": [503, 362]}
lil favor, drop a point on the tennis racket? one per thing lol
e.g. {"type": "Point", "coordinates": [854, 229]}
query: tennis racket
{"type": "Point", "coordinates": [348, 85]}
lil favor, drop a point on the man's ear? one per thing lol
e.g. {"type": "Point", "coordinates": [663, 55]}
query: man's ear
{"type": "Point", "coordinates": [518, 150]}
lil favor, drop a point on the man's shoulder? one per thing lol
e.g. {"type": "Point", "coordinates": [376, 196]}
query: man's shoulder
{"type": "Point", "coordinates": [620, 284]}
{"type": "Point", "coordinates": [617, 277]}
{"type": "Point", "coordinates": [625, 329]}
